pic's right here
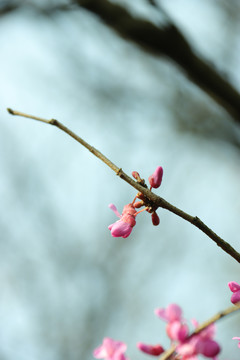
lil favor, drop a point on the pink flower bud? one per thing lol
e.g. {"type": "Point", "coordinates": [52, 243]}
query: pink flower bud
{"type": "Point", "coordinates": [136, 175]}
{"type": "Point", "coordinates": [120, 229]}
{"type": "Point", "coordinates": [154, 350]}
{"type": "Point", "coordinates": [235, 288]}
{"type": "Point", "coordinates": [208, 348]}
{"type": "Point", "coordinates": [140, 196]}
{"type": "Point", "coordinates": [156, 178]}
{"type": "Point", "coordinates": [155, 219]}
{"type": "Point", "coordinates": [138, 204]}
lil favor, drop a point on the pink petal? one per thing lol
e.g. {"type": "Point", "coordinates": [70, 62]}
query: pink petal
{"type": "Point", "coordinates": [114, 209]}
{"type": "Point", "coordinates": [154, 350]}
{"type": "Point", "coordinates": [177, 331]}
{"type": "Point", "coordinates": [187, 350]}
{"type": "Point", "coordinates": [208, 348]}
{"type": "Point", "coordinates": [120, 229]}
{"type": "Point", "coordinates": [234, 286]}
{"type": "Point", "coordinates": [99, 352]}
{"type": "Point", "coordinates": [161, 313]}
{"type": "Point", "coordinates": [235, 298]}
{"type": "Point", "coordinates": [110, 350]}
{"type": "Point", "coordinates": [173, 312]}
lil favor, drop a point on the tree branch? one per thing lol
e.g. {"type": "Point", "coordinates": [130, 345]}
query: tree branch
{"type": "Point", "coordinates": [168, 353]}
{"type": "Point", "coordinates": [152, 199]}
{"type": "Point", "coordinates": [168, 41]}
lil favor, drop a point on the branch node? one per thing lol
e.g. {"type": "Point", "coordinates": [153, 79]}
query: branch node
{"type": "Point", "coordinates": [53, 122]}
{"type": "Point", "coordinates": [195, 220]}
{"type": "Point", "coordinates": [119, 172]}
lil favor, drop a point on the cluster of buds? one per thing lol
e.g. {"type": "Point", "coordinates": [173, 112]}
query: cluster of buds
{"type": "Point", "coordinates": [235, 289]}
{"type": "Point", "coordinates": [235, 299]}
{"type": "Point", "coordinates": [187, 346]}
{"type": "Point", "coordinates": [124, 226]}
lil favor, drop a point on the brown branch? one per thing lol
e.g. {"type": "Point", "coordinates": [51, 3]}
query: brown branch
{"type": "Point", "coordinates": [153, 199]}
{"type": "Point", "coordinates": [168, 353]}
{"type": "Point", "coordinates": [168, 41]}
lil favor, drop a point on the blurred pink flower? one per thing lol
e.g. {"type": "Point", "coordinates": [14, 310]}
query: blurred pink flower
{"type": "Point", "coordinates": [110, 350]}
{"type": "Point", "coordinates": [201, 343]}
{"type": "Point", "coordinates": [177, 331]}
{"type": "Point", "coordinates": [235, 288]}
{"type": "Point", "coordinates": [237, 338]}
{"type": "Point", "coordinates": [172, 313]}
{"type": "Point", "coordinates": [154, 350]}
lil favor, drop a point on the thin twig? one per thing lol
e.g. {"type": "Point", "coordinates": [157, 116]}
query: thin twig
{"type": "Point", "coordinates": [168, 353]}
{"type": "Point", "coordinates": [153, 199]}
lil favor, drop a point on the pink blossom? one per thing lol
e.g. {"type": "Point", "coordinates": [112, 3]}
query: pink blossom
{"type": "Point", "coordinates": [237, 338]}
{"type": "Point", "coordinates": [155, 179]}
{"type": "Point", "coordinates": [110, 350]}
{"type": "Point", "coordinates": [201, 343]}
{"type": "Point", "coordinates": [208, 347]}
{"type": "Point", "coordinates": [177, 331]}
{"type": "Point", "coordinates": [154, 350]}
{"type": "Point", "coordinates": [235, 288]}
{"type": "Point", "coordinates": [124, 226]}
{"type": "Point", "coordinates": [172, 313]}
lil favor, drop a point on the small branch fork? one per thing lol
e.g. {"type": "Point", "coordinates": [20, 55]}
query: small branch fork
{"type": "Point", "coordinates": [153, 199]}
{"type": "Point", "coordinates": [170, 352]}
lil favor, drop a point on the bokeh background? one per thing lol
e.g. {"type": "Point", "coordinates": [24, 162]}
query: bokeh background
{"type": "Point", "coordinates": [65, 282]}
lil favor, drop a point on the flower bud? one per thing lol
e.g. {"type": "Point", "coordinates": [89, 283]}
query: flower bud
{"type": "Point", "coordinates": [155, 179]}
{"type": "Point", "coordinates": [154, 350]}
{"type": "Point", "coordinates": [155, 219]}
{"type": "Point", "coordinates": [136, 175]}
{"type": "Point", "coordinates": [138, 204]}
{"type": "Point", "coordinates": [235, 288]}
{"type": "Point", "coordinates": [208, 348]}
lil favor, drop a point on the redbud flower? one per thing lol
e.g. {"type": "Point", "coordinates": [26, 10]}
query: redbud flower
{"type": "Point", "coordinates": [155, 179]}
{"type": "Point", "coordinates": [201, 343]}
{"type": "Point", "coordinates": [177, 331]}
{"type": "Point", "coordinates": [172, 313]}
{"type": "Point", "coordinates": [110, 350]}
{"type": "Point", "coordinates": [208, 347]}
{"type": "Point", "coordinates": [154, 350]}
{"type": "Point", "coordinates": [124, 226]}
{"type": "Point", "coordinates": [235, 288]}
{"type": "Point", "coordinates": [237, 338]}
